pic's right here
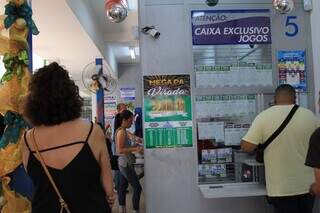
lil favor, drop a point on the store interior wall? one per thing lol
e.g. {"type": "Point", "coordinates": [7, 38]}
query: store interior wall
{"type": "Point", "coordinates": [171, 174]}
{"type": "Point", "coordinates": [315, 32]}
{"type": "Point", "coordinates": [315, 35]}
{"type": "Point", "coordinates": [130, 75]}
{"type": "Point", "coordinates": [86, 16]}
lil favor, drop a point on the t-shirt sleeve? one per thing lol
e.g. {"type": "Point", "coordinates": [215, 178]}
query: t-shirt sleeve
{"type": "Point", "coordinates": [254, 134]}
{"type": "Point", "coordinates": [313, 156]}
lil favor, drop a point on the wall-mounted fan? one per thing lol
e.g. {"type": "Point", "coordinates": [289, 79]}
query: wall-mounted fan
{"type": "Point", "coordinates": [95, 77]}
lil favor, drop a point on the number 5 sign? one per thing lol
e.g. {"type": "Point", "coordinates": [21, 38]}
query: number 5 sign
{"type": "Point", "coordinates": [292, 28]}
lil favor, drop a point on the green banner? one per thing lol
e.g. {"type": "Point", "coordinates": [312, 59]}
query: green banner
{"type": "Point", "coordinates": [167, 111]}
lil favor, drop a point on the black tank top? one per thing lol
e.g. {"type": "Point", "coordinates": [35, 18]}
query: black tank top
{"type": "Point", "coordinates": [78, 182]}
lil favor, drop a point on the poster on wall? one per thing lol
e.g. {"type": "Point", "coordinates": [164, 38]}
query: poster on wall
{"type": "Point", "coordinates": [292, 69]}
{"type": "Point", "coordinates": [110, 106]}
{"type": "Point", "coordinates": [238, 48]}
{"type": "Point", "coordinates": [238, 74]}
{"type": "Point", "coordinates": [128, 93]}
{"type": "Point", "coordinates": [219, 27]}
{"type": "Point", "coordinates": [167, 111]}
{"type": "Point", "coordinates": [218, 106]}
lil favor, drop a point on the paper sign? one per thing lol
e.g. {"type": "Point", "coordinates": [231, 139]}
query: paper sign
{"type": "Point", "coordinates": [211, 130]}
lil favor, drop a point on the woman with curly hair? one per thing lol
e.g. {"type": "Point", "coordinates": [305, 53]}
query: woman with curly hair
{"type": "Point", "coordinates": [73, 150]}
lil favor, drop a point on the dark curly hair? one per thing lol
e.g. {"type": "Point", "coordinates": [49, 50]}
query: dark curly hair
{"type": "Point", "coordinates": [53, 97]}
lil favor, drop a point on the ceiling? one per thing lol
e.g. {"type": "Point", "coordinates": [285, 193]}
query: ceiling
{"type": "Point", "coordinates": [67, 38]}
{"type": "Point", "coordinates": [117, 36]}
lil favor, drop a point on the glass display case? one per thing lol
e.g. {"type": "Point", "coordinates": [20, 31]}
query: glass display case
{"type": "Point", "coordinates": [222, 121]}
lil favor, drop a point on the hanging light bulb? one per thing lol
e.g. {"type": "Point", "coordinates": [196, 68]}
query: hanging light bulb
{"type": "Point", "coordinates": [117, 10]}
{"type": "Point", "coordinates": [283, 6]}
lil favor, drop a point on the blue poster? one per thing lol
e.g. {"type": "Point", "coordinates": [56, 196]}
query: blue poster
{"type": "Point", "coordinates": [128, 93]}
{"type": "Point", "coordinates": [292, 69]}
{"type": "Point", "coordinates": [219, 27]}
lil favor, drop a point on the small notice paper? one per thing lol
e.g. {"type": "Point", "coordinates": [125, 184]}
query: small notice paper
{"type": "Point", "coordinates": [211, 130]}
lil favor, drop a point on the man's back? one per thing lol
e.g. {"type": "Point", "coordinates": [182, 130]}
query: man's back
{"type": "Point", "coordinates": [286, 173]}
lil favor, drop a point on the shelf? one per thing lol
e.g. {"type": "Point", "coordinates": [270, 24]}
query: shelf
{"type": "Point", "coordinates": [232, 190]}
{"type": "Point", "coordinates": [252, 162]}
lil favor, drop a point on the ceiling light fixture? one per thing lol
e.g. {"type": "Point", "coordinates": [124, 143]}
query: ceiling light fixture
{"type": "Point", "coordinates": [283, 6]}
{"type": "Point", "coordinates": [117, 10]}
{"type": "Point", "coordinates": [132, 53]}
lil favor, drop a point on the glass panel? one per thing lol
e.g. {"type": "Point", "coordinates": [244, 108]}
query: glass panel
{"type": "Point", "coordinates": [222, 121]}
{"type": "Point", "coordinates": [233, 65]}
{"type": "Point", "coordinates": [231, 48]}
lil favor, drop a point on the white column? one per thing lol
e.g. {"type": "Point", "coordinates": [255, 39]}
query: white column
{"type": "Point", "coordinates": [315, 33]}
{"type": "Point", "coordinates": [94, 106]}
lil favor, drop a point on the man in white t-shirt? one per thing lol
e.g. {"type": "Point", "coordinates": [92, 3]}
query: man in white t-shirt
{"type": "Point", "coordinates": [287, 178]}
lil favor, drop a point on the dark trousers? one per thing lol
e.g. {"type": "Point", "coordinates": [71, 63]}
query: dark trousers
{"type": "Point", "coordinates": [128, 174]}
{"type": "Point", "coordinates": [293, 204]}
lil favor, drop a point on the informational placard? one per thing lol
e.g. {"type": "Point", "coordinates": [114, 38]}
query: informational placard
{"type": "Point", "coordinates": [128, 93]}
{"type": "Point", "coordinates": [292, 69]}
{"type": "Point", "coordinates": [234, 133]}
{"type": "Point", "coordinates": [219, 27]}
{"type": "Point", "coordinates": [211, 130]}
{"type": "Point", "coordinates": [217, 106]}
{"type": "Point", "coordinates": [167, 111]}
{"type": "Point", "coordinates": [110, 106]}
{"type": "Point", "coordinates": [238, 74]}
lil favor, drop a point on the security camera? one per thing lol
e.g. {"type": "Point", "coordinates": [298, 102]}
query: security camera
{"type": "Point", "coordinates": [212, 3]}
{"type": "Point", "coordinates": [152, 31]}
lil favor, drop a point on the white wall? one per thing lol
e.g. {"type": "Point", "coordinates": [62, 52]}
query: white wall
{"type": "Point", "coordinates": [130, 75]}
{"type": "Point", "coordinates": [171, 174]}
{"type": "Point", "coordinates": [85, 15]}
{"type": "Point", "coordinates": [2, 69]}
{"type": "Point", "coordinates": [38, 62]}
{"type": "Point", "coordinates": [94, 105]}
{"type": "Point", "coordinates": [315, 34]}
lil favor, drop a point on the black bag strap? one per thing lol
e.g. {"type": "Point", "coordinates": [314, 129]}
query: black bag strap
{"type": "Point", "coordinates": [281, 127]}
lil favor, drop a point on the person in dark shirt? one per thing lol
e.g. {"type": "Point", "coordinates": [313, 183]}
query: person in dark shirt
{"type": "Point", "coordinates": [313, 160]}
{"type": "Point", "coordinates": [113, 158]}
{"type": "Point", "coordinates": [138, 122]}
{"type": "Point", "coordinates": [2, 126]}
{"type": "Point", "coordinates": [73, 150]}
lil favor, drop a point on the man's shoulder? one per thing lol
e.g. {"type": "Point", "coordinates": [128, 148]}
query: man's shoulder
{"type": "Point", "coordinates": [308, 116]}
{"type": "Point", "coordinates": [266, 112]}
{"type": "Point", "coordinates": [305, 110]}
{"type": "Point", "coordinates": [275, 110]}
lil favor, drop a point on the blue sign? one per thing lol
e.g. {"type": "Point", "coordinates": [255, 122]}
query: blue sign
{"type": "Point", "coordinates": [219, 27]}
{"type": "Point", "coordinates": [128, 93]}
{"type": "Point", "coordinates": [292, 69]}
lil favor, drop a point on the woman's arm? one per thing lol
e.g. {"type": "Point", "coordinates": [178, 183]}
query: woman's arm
{"type": "Point", "coordinates": [134, 138]}
{"type": "Point", "coordinates": [121, 139]}
{"type": "Point", "coordinates": [104, 161]}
